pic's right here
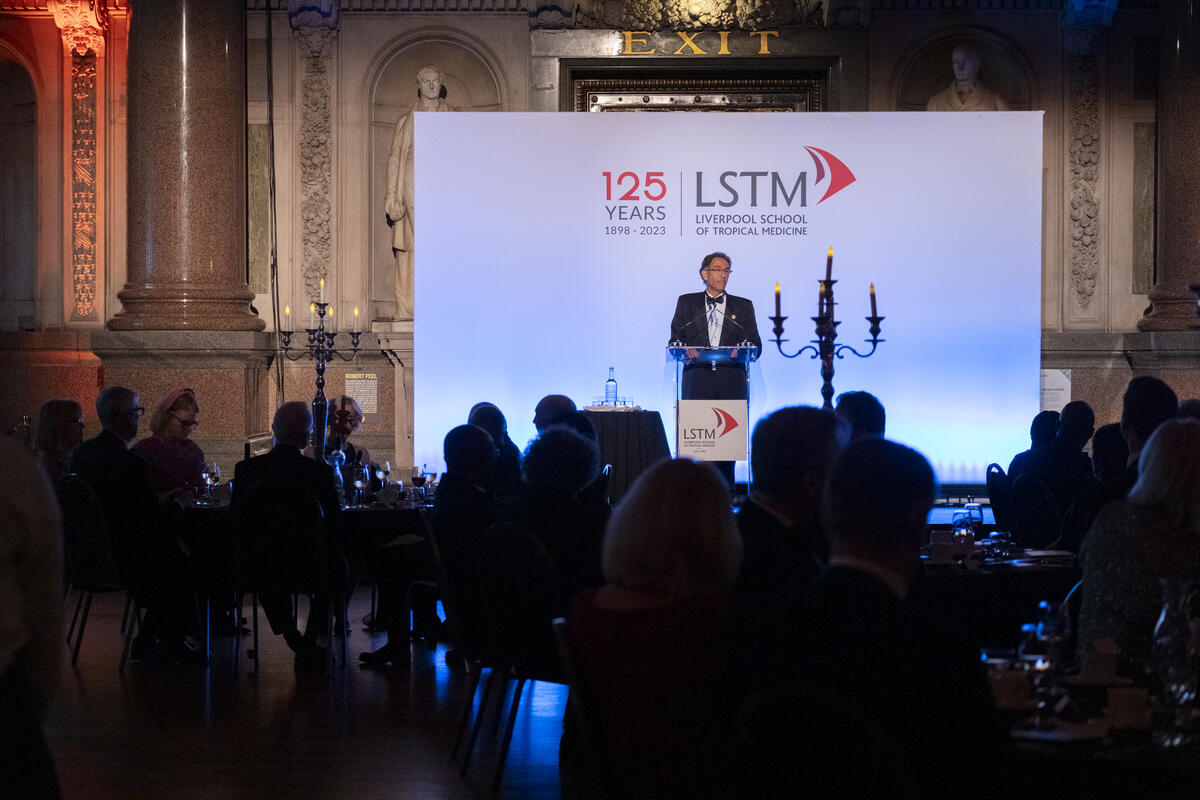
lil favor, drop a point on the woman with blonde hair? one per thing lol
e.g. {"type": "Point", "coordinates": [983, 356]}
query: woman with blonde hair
{"type": "Point", "coordinates": [175, 462]}
{"type": "Point", "coordinates": [59, 430]}
{"type": "Point", "coordinates": [1151, 535]}
{"type": "Point", "coordinates": [652, 641]}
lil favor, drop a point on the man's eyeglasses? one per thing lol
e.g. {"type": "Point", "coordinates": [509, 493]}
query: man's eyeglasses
{"type": "Point", "coordinates": [185, 423]}
{"type": "Point", "coordinates": [719, 271]}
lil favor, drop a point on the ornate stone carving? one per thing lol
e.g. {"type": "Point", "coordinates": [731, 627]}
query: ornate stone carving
{"type": "Point", "coordinates": [696, 15]}
{"type": "Point", "coordinates": [83, 186]}
{"type": "Point", "coordinates": [1084, 160]}
{"type": "Point", "coordinates": [316, 156]}
{"type": "Point", "coordinates": [83, 24]}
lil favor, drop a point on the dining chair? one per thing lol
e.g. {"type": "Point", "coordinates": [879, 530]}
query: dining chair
{"type": "Point", "coordinates": [280, 550]}
{"type": "Point", "coordinates": [1000, 496]}
{"type": "Point", "coordinates": [1037, 519]}
{"type": "Point", "coordinates": [456, 573]}
{"type": "Point", "coordinates": [90, 562]}
{"type": "Point", "coordinates": [520, 589]}
{"type": "Point", "coordinates": [581, 708]}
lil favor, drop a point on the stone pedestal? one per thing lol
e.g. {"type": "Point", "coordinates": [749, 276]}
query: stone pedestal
{"type": "Point", "coordinates": [186, 170]}
{"type": "Point", "coordinates": [1178, 119]}
{"type": "Point", "coordinates": [229, 371]}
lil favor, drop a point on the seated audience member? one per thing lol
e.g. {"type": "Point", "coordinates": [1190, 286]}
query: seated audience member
{"type": "Point", "coordinates": [558, 465]}
{"type": "Point", "coordinates": [59, 432]}
{"type": "Point", "coordinates": [780, 522]}
{"type": "Point", "coordinates": [652, 641]}
{"type": "Point", "coordinates": [1041, 433]}
{"type": "Point", "coordinates": [30, 621]}
{"type": "Point", "coordinates": [346, 418]}
{"type": "Point", "coordinates": [550, 410]}
{"type": "Point", "coordinates": [1136, 542]}
{"type": "Point", "coordinates": [1061, 464]}
{"type": "Point", "coordinates": [292, 424]}
{"type": "Point", "coordinates": [1146, 404]}
{"type": "Point", "coordinates": [150, 560]}
{"type": "Point", "coordinates": [864, 412]}
{"type": "Point", "coordinates": [1190, 408]}
{"type": "Point", "coordinates": [856, 638]}
{"type": "Point", "coordinates": [175, 462]}
{"type": "Point", "coordinates": [462, 510]}
{"type": "Point", "coordinates": [506, 479]}
{"type": "Point", "coordinates": [1110, 452]}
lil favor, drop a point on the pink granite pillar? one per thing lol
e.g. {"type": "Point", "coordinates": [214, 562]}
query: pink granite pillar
{"type": "Point", "coordinates": [1178, 120]}
{"type": "Point", "coordinates": [187, 175]}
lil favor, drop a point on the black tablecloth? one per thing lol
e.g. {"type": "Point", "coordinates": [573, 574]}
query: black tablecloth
{"type": "Point", "coordinates": [630, 441]}
{"type": "Point", "coordinates": [992, 603]}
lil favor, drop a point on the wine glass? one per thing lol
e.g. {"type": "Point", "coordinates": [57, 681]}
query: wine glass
{"type": "Point", "coordinates": [1053, 628]}
{"type": "Point", "coordinates": [387, 470]}
{"type": "Point", "coordinates": [418, 482]}
{"type": "Point", "coordinates": [212, 476]}
{"type": "Point", "coordinates": [431, 480]}
{"type": "Point", "coordinates": [361, 477]}
{"type": "Point", "coordinates": [201, 497]}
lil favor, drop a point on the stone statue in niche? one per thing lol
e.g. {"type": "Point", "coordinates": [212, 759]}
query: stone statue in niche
{"type": "Point", "coordinates": [967, 92]}
{"type": "Point", "coordinates": [400, 204]}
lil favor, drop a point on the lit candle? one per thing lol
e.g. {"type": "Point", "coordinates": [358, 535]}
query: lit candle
{"type": "Point", "coordinates": [332, 325]}
{"type": "Point", "coordinates": [287, 318]}
{"type": "Point", "coordinates": [312, 315]}
{"type": "Point", "coordinates": [874, 313]}
{"type": "Point", "coordinates": [321, 297]}
{"type": "Point", "coordinates": [778, 313]}
{"type": "Point", "coordinates": [355, 328]}
{"type": "Point", "coordinates": [821, 300]}
{"type": "Point", "coordinates": [829, 266]}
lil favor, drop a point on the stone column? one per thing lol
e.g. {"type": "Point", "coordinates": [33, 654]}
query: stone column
{"type": "Point", "coordinates": [1178, 119]}
{"type": "Point", "coordinates": [186, 170]}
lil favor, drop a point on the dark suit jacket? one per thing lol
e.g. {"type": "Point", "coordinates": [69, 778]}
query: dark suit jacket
{"type": "Point", "coordinates": [690, 326]}
{"type": "Point", "coordinates": [131, 511]}
{"type": "Point", "coordinates": [286, 462]}
{"type": "Point", "coordinates": [775, 557]}
{"type": "Point", "coordinates": [903, 668]}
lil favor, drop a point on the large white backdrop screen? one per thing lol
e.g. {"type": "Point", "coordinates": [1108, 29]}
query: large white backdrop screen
{"type": "Point", "coordinates": [528, 282]}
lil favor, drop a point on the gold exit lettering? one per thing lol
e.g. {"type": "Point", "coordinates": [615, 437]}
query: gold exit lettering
{"type": "Point", "coordinates": [638, 43]}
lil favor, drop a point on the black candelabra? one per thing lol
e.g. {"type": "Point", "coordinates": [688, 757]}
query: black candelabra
{"type": "Point", "coordinates": [825, 346]}
{"type": "Point", "coordinates": [321, 351]}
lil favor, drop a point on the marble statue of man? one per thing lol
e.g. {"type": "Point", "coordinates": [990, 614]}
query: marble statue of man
{"type": "Point", "coordinates": [400, 204]}
{"type": "Point", "coordinates": [966, 92]}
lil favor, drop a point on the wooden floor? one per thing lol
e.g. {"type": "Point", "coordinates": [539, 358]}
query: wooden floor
{"type": "Point", "coordinates": [191, 732]}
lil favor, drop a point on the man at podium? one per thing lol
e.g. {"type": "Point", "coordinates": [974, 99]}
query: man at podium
{"type": "Point", "coordinates": [713, 318]}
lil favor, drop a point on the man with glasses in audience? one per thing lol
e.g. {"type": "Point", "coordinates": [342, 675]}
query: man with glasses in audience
{"type": "Point", "coordinates": [151, 564]}
{"type": "Point", "coordinates": [713, 318]}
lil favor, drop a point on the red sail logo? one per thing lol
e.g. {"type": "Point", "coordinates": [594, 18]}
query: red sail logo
{"type": "Point", "coordinates": [725, 422]}
{"type": "Point", "coordinates": [840, 175]}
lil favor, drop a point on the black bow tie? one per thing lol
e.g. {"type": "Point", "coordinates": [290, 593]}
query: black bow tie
{"type": "Point", "coordinates": [714, 301]}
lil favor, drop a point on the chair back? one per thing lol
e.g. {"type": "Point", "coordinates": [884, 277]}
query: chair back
{"type": "Point", "coordinates": [280, 540]}
{"type": "Point", "coordinates": [520, 589]}
{"type": "Point", "coordinates": [581, 704]}
{"type": "Point", "coordinates": [1000, 496]}
{"type": "Point", "coordinates": [89, 558]}
{"type": "Point", "coordinates": [457, 575]}
{"type": "Point", "coordinates": [1037, 519]}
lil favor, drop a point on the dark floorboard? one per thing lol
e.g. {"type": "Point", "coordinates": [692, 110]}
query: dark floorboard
{"type": "Point", "coordinates": [191, 732]}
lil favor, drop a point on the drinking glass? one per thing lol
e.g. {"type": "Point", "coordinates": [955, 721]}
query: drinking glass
{"type": "Point", "coordinates": [418, 482]}
{"type": "Point", "coordinates": [212, 476]}
{"type": "Point", "coordinates": [361, 475]}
